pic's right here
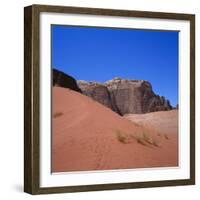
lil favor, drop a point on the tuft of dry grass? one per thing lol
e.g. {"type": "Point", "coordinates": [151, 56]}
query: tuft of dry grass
{"type": "Point", "coordinates": [121, 137]}
{"type": "Point", "coordinates": [57, 114]}
{"type": "Point", "coordinates": [159, 134]}
{"type": "Point", "coordinates": [166, 137]}
{"type": "Point", "coordinates": [155, 143]}
{"type": "Point", "coordinates": [146, 140]}
{"type": "Point", "coordinates": [163, 135]}
{"type": "Point", "coordinates": [141, 141]}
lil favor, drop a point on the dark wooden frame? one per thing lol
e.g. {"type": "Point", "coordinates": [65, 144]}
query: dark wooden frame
{"type": "Point", "coordinates": [32, 105]}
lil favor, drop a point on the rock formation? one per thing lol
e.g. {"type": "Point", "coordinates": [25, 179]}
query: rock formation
{"type": "Point", "coordinates": [99, 92]}
{"type": "Point", "coordinates": [63, 80]}
{"type": "Point", "coordinates": [121, 96]}
{"type": "Point", "coordinates": [125, 96]}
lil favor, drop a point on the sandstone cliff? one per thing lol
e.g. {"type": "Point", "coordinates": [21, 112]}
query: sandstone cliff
{"type": "Point", "coordinates": [121, 96]}
{"type": "Point", "coordinates": [125, 96]}
{"type": "Point", "coordinates": [99, 92]}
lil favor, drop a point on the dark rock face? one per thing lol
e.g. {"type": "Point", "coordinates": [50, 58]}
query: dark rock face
{"type": "Point", "coordinates": [125, 96]}
{"type": "Point", "coordinates": [63, 80]}
{"type": "Point", "coordinates": [99, 92]}
{"type": "Point", "coordinates": [121, 96]}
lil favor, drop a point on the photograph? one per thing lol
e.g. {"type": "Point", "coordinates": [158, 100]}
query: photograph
{"type": "Point", "coordinates": [115, 98]}
{"type": "Point", "coordinates": [109, 99]}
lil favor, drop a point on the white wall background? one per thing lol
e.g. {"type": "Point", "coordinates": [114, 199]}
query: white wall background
{"type": "Point", "coordinates": [11, 99]}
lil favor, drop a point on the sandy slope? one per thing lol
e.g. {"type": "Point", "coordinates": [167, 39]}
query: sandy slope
{"type": "Point", "coordinates": [88, 136]}
{"type": "Point", "coordinates": [166, 122]}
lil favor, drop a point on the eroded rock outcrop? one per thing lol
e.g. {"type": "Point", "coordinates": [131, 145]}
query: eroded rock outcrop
{"type": "Point", "coordinates": [99, 92]}
{"type": "Point", "coordinates": [125, 96]}
{"type": "Point", "coordinates": [136, 96]}
{"type": "Point", "coordinates": [120, 95]}
{"type": "Point", "coordinates": [63, 80]}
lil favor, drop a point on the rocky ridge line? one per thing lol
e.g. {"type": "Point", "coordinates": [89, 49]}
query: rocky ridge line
{"type": "Point", "coordinates": [120, 95]}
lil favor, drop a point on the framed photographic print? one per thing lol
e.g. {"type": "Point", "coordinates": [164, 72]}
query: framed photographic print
{"type": "Point", "coordinates": [109, 99]}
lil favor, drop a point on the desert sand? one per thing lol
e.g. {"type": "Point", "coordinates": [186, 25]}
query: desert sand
{"type": "Point", "coordinates": [88, 136]}
{"type": "Point", "coordinates": [165, 122]}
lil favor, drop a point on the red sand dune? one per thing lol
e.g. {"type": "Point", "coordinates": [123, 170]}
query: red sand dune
{"type": "Point", "coordinates": [89, 136]}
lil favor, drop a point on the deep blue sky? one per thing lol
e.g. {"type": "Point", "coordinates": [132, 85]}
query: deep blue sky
{"type": "Point", "coordinates": [100, 54]}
